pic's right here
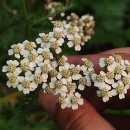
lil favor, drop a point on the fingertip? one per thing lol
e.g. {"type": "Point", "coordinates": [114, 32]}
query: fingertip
{"type": "Point", "coordinates": [48, 102]}
{"type": "Point", "coordinates": [84, 118]}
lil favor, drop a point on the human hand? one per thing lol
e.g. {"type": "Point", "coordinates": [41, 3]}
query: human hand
{"type": "Point", "coordinates": [89, 116]}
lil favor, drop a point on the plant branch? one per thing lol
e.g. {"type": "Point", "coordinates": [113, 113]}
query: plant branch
{"type": "Point", "coordinates": [26, 19]}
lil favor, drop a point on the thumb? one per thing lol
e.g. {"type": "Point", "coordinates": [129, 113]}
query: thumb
{"type": "Point", "coordinates": [84, 118]}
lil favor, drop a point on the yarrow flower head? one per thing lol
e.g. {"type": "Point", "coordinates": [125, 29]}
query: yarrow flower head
{"type": "Point", "coordinates": [75, 41]}
{"type": "Point", "coordinates": [74, 100]}
{"type": "Point", "coordinates": [53, 7]}
{"type": "Point", "coordinates": [12, 80]}
{"type": "Point", "coordinates": [84, 25]}
{"type": "Point", "coordinates": [104, 92]}
{"type": "Point", "coordinates": [12, 67]}
{"type": "Point", "coordinates": [25, 85]}
{"type": "Point", "coordinates": [70, 100]}
{"type": "Point", "coordinates": [56, 45]}
{"type": "Point", "coordinates": [45, 39]}
{"type": "Point", "coordinates": [76, 30]}
{"type": "Point", "coordinates": [84, 81]}
{"type": "Point", "coordinates": [109, 62]}
{"type": "Point", "coordinates": [119, 88]}
{"type": "Point", "coordinates": [28, 45]}
{"type": "Point", "coordinates": [16, 50]}
{"type": "Point", "coordinates": [116, 75]}
{"type": "Point", "coordinates": [43, 65]}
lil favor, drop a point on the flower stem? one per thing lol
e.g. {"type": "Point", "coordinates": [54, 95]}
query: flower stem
{"type": "Point", "coordinates": [26, 19]}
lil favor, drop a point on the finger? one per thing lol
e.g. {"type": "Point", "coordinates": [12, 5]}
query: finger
{"type": "Point", "coordinates": [77, 59]}
{"type": "Point", "coordinates": [48, 102]}
{"type": "Point", "coordinates": [84, 118]}
{"type": "Point", "coordinates": [117, 50]}
{"type": "Point", "coordinates": [121, 122]}
{"type": "Point", "coordinates": [100, 106]}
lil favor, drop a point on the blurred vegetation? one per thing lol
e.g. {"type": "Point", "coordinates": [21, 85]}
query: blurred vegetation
{"type": "Point", "coordinates": [23, 19]}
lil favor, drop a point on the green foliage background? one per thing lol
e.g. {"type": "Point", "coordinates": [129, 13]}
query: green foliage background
{"type": "Point", "coordinates": [24, 19]}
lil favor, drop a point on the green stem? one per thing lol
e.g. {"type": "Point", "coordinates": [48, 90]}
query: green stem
{"type": "Point", "coordinates": [7, 7]}
{"type": "Point", "coordinates": [26, 19]}
{"type": "Point", "coordinates": [53, 15]}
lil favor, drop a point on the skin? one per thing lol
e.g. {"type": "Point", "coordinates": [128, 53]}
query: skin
{"type": "Point", "coordinates": [89, 116]}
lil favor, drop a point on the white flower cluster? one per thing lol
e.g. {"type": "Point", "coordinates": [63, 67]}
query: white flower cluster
{"type": "Point", "coordinates": [116, 78]}
{"type": "Point", "coordinates": [76, 77]}
{"type": "Point", "coordinates": [62, 33]}
{"type": "Point", "coordinates": [42, 64]}
{"type": "Point", "coordinates": [83, 25]}
{"type": "Point", "coordinates": [52, 6]}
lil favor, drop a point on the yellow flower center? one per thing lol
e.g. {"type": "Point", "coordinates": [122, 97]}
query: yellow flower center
{"type": "Point", "coordinates": [32, 56]}
{"type": "Point", "coordinates": [26, 83]}
{"type": "Point", "coordinates": [120, 89]}
{"type": "Point", "coordinates": [49, 90]}
{"type": "Point", "coordinates": [104, 92]}
{"type": "Point", "coordinates": [110, 74]}
{"type": "Point", "coordinates": [12, 78]}
{"type": "Point", "coordinates": [25, 66]}
{"type": "Point", "coordinates": [71, 30]}
{"type": "Point", "coordinates": [128, 68]}
{"type": "Point", "coordinates": [53, 73]}
{"type": "Point", "coordinates": [75, 70]}
{"type": "Point", "coordinates": [126, 80]}
{"type": "Point", "coordinates": [100, 78]}
{"type": "Point", "coordinates": [66, 73]}
{"type": "Point", "coordinates": [118, 58]}
{"type": "Point", "coordinates": [57, 24]}
{"type": "Point", "coordinates": [38, 79]}
{"type": "Point", "coordinates": [45, 68]}
{"type": "Point", "coordinates": [88, 63]}
{"type": "Point", "coordinates": [61, 61]}
{"type": "Point", "coordinates": [109, 61]}
{"type": "Point", "coordinates": [118, 69]}
{"type": "Point", "coordinates": [55, 45]}
{"type": "Point", "coordinates": [11, 68]}
{"type": "Point", "coordinates": [77, 41]}
{"type": "Point", "coordinates": [17, 49]}
{"type": "Point", "coordinates": [58, 84]}
{"type": "Point", "coordinates": [74, 100]}
{"type": "Point", "coordinates": [71, 86]}
{"type": "Point", "coordinates": [46, 38]}
{"type": "Point", "coordinates": [61, 100]}
{"type": "Point", "coordinates": [29, 46]}
{"type": "Point", "coordinates": [83, 81]}
{"type": "Point", "coordinates": [46, 55]}
{"type": "Point", "coordinates": [58, 35]}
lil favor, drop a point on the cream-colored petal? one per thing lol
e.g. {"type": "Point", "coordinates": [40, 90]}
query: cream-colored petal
{"type": "Point", "coordinates": [5, 69]}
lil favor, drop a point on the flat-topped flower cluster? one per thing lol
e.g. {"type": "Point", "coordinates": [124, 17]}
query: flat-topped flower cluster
{"type": "Point", "coordinates": [85, 25]}
{"type": "Point", "coordinates": [116, 78]}
{"type": "Point", "coordinates": [43, 64]}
